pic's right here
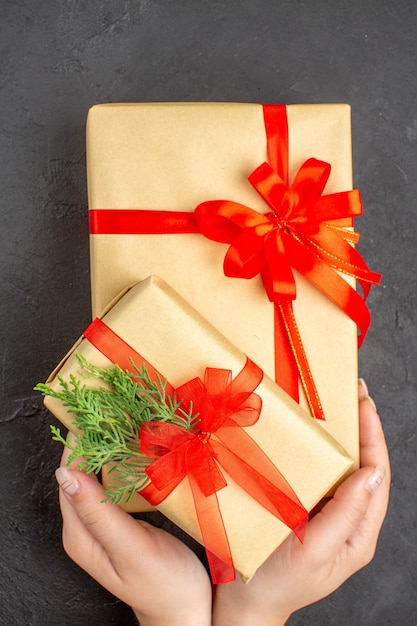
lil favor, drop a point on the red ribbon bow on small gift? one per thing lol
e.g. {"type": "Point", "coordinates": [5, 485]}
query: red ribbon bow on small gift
{"type": "Point", "coordinates": [225, 407]}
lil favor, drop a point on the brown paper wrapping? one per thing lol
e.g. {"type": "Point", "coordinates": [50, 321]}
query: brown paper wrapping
{"type": "Point", "coordinates": [180, 343]}
{"type": "Point", "coordinates": [175, 156]}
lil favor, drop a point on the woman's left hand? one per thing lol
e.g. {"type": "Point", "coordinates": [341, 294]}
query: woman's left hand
{"type": "Point", "coordinates": [145, 567]}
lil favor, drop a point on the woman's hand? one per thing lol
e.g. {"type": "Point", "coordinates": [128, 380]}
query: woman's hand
{"type": "Point", "coordinates": [340, 540]}
{"type": "Point", "coordinates": [147, 568]}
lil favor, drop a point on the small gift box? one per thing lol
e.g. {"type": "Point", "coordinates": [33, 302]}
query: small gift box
{"type": "Point", "coordinates": [170, 184]}
{"type": "Point", "coordinates": [254, 454]}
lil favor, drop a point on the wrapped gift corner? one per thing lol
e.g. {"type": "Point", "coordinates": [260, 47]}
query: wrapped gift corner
{"type": "Point", "coordinates": [201, 152]}
{"type": "Point", "coordinates": [180, 343]}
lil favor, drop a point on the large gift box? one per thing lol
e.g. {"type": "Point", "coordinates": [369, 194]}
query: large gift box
{"type": "Point", "coordinates": [161, 328]}
{"type": "Point", "coordinates": [283, 301]}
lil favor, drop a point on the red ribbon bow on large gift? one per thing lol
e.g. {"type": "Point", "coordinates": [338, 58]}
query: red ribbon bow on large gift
{"type": "Point", "coordinates": [225, 406]}
{"type": "Point", "coordinates": [297, 233]}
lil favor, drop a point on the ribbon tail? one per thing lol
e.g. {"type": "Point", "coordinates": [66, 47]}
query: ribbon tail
{"type": "Point", "coordinates": [210, 522]}
{"type": "Point", "coordinates": [297, 361]}
{"type": "Point", "coordinates": [261, 479]}
{"type": "Point", "coordinates": [331, 284]}
{"type": "Point", "coordinates": [286, 373]}
{"type": "Point", "coordinates": [213, 534]}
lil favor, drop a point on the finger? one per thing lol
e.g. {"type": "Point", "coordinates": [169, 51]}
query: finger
{"type": "Point", "coordinates": [101, 519]}
{"type": "Point", "coordinates": [80, 545]}
{"type": "Point", "coordinates": [373, 448]}
{"type": "Point", "coordinates": [374, 452]}
{"type": "Point", "coordinates": [332, 527]}
{"type": "Point", "coordinates": [363, 392]}
{"type": "Point", "coordinates": [372, 441]}
{"type": "Point", "coordinates": [79, 542]}
{"type": "Point", "coordinates": [360, 503]}
{"type": "Point", "coordinates": [93, 530]}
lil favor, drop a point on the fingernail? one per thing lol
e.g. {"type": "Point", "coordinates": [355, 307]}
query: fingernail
{"type": "Point", "coordinates": [364, 386]}
{"type": "Point", "coordinates": [68, 483]}
{"type": "Point", "coordinates": [375, 478]}
{"type": "Point", "coordinates": [365, 393]}
{"type": "Point", "coordinates": [371, 401]}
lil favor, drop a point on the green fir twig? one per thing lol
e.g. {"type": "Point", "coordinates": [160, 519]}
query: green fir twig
{"type": "Point", "coordinates": [108, 419]}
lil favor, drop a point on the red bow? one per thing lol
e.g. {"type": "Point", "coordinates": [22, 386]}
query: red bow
{"type": "Point", "coordinates": [295, 234]}
{"type": "Point", "coordinates": [225, 406]}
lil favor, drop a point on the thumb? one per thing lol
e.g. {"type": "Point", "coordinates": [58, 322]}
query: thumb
{"type": "Point", "coordinates": [87, 517]}
{"type": "Point", "coordinates": [330, 529]}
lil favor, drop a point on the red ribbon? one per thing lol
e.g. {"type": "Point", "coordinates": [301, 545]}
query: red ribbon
{"type": "Point", "coordinates": [296, 233]}
{"type": "Point", "coordinates": [225, 407]}
{"type": "Point", "coordinates": [144, 222]}
{"type": "Point", "coordinates": [302, 232]}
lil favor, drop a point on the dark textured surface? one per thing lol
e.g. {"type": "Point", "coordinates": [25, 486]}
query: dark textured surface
{"type": "Point", "coordinates": [59, 57]}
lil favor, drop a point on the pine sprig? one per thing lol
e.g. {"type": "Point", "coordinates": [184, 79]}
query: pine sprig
{"type": "Point", "coordinates": [108, 419]}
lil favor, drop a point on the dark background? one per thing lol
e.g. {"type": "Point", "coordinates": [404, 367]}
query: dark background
{"type": "Point", "coordinates": [58, 58]}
